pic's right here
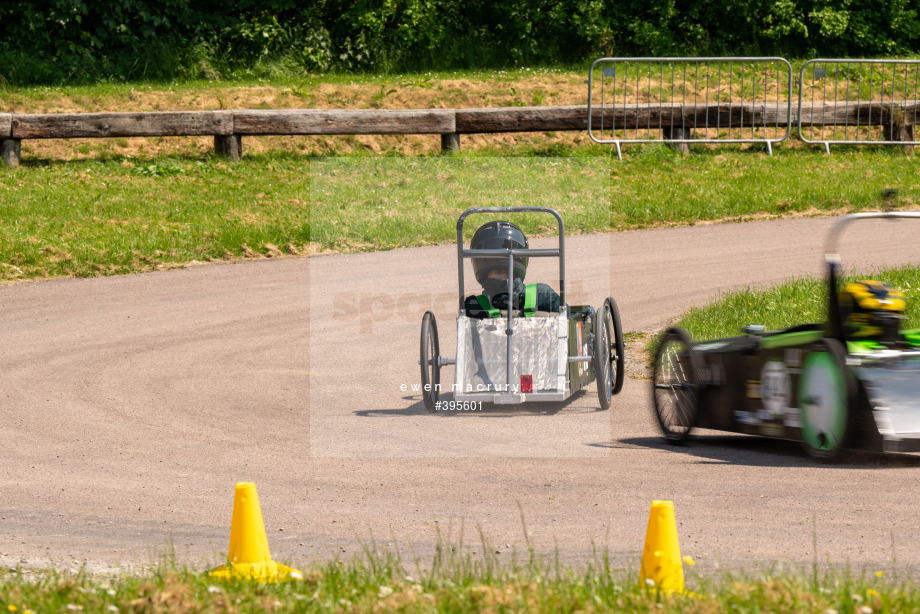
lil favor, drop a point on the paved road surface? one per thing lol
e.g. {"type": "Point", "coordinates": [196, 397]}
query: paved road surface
{"type": "Point", "coordinates": [131, 405]}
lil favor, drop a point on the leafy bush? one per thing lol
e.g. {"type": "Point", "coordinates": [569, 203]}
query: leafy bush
{"type": "Point", "coordinates": [53, 41]}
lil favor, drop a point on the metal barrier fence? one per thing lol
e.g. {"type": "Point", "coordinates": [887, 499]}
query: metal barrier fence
{"type": "Point", "coordinates": [845, 101]}
{"type": "Point", "coordinates": [721, 100]}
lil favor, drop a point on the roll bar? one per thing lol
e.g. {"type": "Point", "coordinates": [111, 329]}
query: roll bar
{"type": "Point", "coordinates": [830, 250]}
{"type": "Point", "coordinates": [511, 253]}
{"type": "Point", "coordinates": [832, 257]}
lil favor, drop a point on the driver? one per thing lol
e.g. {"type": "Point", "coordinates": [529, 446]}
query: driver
{"type": "Point", "coordinates": [492, 274]}
{"type": "Point", "coordinates": [871, 311]}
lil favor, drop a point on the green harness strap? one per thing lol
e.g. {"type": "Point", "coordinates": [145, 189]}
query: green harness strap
{"type": "Point", "coordinates": [530, 303]}
{"type": "Point", "coordinates": [487, 307]}
{"type": "Point", "coordinates": [530, 300]}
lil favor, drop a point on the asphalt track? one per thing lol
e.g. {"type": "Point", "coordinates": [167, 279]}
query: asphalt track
{"type": "Point", "coordinates": [131, 405]}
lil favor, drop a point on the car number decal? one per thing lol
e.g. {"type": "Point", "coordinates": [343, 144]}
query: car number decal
{"type": "Point", "coordinates": [775, 388]}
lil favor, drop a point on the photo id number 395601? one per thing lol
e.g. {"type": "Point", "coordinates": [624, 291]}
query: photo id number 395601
{"type": "Point", "coordinates": [458, 406]}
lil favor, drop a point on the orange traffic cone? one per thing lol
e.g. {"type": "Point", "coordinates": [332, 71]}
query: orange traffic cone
{"type": "Point", "coordinates": [661, 564]}
{"type": "Point", "coordinates": [249, 557]}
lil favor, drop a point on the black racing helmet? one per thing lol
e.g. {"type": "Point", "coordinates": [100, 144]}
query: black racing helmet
{"type": "Point", "coordinates": [498, 235]}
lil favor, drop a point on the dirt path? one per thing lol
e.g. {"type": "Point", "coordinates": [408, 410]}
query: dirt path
{"type": "Point", "coordinates": [130, 406]}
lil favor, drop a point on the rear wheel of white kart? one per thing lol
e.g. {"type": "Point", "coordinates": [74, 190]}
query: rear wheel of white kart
{"type": "Point", "coordinates": [429, 355]}
{"type": "Point", "coordinates": [618, 354]}
{"type": "Point", "coordinates": [608, 352]}
{"type": "Point", "coordinates": [676, 384]}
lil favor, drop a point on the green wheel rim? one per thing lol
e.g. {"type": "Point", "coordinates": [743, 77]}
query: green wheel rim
{"type": "Point", "coordinates": [822, 402]}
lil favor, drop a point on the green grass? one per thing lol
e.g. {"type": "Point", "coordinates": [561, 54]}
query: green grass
{"type": "Point", "coordinates": [107, 217]}
{"type": "Point", "coordinates": [465, 584]}
{"type": "Point", "coordinates": [373, 203]}
{"type": "Point", "coordinates": [799, 301]}
{"type": "Point", "coordinates": [121, 215]}
{"type": "Point", "coordinates": [658, 186]}
{"type": "Point", "coordinates": [383, 203]}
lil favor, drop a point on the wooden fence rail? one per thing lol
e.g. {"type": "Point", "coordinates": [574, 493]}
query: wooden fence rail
{"type": "Point", "coordinates": [228, 127]}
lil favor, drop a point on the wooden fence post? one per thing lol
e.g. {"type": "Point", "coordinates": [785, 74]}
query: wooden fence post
{"type": "Point", "coordinates": [450, 143]}
{"type": "Point", "coordinates": [899, 132]}
{"type": "Point", "coordinates": [11, 152]}
{"type": "Point", "coordinates": [677, 132]}
{"type": "Point", "coordinates": [228, 146]}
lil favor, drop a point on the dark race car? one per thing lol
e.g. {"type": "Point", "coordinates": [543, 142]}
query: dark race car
{"type": "Point", "coordinates": [850, 382]}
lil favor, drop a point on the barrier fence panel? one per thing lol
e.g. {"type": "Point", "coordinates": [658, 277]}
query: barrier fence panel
{"type": "Point", "coordinates": [844, 101]}
{"type": "Point", "coordinates": [690, 100]}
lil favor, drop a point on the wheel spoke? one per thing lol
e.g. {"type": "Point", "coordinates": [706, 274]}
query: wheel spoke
{"type": "Point", "coordinates": [674, 388]}
{"type": "Point", "coordinates": [684, 408]}
{"type": "Point", "coordinates": [670, 419]}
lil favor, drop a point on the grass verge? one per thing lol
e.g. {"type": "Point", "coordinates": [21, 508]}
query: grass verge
{"type": "Point", "coordinates": [380, 583]}
{"type": "Point", "coordinates": [383, 203]}
{"type": "Point", "coordinates": [799, 301]}
{"type": "Point", "coordinates": [106, 217]}
{"type": "Point", "coordinates": [658, 186]}
{"type": "Point", "coordinates": [125, 214]}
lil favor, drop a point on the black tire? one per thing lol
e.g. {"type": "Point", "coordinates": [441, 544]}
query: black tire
{"type": "Point", "coordinates": [676, 384]}
{"type": "Point", "coordinates": [619, 359]}
{"type": "Point", "coordinates": [608, 352]}
{"type": "Point", "coordinates": [825, 414]}
{"type": "Point", "coordinates": [603, 369]}
{"type": "Point", "coordinates": [430, 352]}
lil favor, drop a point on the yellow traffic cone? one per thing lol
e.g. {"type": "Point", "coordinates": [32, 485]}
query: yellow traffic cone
{"type": "Point", "coordinates": [249, 557]}
{"type": "Point", "coordinates": [661, 557]}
